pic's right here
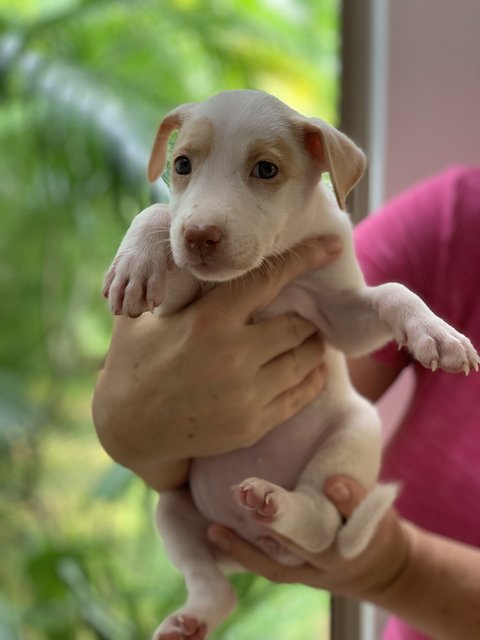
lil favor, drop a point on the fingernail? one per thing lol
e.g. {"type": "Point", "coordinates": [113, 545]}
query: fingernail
{"type": "Point", "coordinates": [340, 492]}
{"type": "Point", "coordinates": [332, 244]}
{"type": "Point", "coordinates": [220, 539]}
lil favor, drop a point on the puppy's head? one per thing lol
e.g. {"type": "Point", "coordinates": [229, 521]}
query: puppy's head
{"type": "Point", "coordinates": [245, 167]}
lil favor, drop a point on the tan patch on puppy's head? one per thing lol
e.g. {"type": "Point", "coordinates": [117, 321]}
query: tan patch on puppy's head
{"type": "Point", "coordinates": [195, 142]}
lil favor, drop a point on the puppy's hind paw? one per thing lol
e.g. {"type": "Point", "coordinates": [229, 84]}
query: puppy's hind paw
{"type": "Point", "coordinates": [259, 497]}
{"type": "Point", "coordinates": [181, 627]}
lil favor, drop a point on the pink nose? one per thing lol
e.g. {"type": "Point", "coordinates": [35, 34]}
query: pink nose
{"type": "Point", "coordinates": [202, 240]}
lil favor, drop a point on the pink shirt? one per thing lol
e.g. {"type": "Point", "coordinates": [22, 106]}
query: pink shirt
{"type": "Point", "coordinates": [428, 239]}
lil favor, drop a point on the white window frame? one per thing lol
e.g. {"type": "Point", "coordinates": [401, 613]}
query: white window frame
{"type": "Point", "coordinates": [365, 25]}
{"type": "Point", "coordinates": [363, 104]}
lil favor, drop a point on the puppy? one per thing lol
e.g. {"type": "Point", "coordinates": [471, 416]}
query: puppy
{"type": "Point", "coordinates": [246, 185]}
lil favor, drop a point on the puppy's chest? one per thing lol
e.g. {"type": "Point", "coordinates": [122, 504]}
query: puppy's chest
{"type": "Point", "coordinates": [303, 298]}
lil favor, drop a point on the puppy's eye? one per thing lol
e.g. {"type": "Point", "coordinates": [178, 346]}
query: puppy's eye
{"type": "Point", "coordinates": [264, 170]}
{"type": "Point", "coordinates": [183, 165]}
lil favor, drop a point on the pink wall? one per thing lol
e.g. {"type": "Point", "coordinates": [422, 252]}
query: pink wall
{"type": "Point", "coordinates": [433, 103]}
{"type": "Point", "coordinates": [432, 109]}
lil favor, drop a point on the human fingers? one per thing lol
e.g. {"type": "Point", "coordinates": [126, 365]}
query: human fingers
{"type": "Point", "coordinates": [245, 295]}
{"type": "Point", "coordinates": [255, 560]}
{"type": "Point", "coordinates": [294, 399]}
{"type": "Point", "coordinates": [275, 336]}
{"type": "Point", "coordinates": [289, 369]}
{"type": "Point", "coordinates": [345, 493]}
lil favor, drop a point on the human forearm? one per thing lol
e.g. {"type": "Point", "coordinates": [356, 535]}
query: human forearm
{"type": "Point", "coordinates": [438, 590]}
{"type": "Point", "coordinates": [431, 582]}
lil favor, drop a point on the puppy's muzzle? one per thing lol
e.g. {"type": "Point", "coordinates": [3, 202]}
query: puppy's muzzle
{"type": "Point", "coordinates": [202, 240]}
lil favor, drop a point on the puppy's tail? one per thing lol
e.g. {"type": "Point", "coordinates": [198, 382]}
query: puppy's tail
{"type": "Point", "coordinates": [357, 532]}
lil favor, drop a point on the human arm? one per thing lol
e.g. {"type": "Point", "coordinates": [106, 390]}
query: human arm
{"type": "Point", "coordinates": [433, 583]}
{"type": "Point", "coordinates": [205, 380]}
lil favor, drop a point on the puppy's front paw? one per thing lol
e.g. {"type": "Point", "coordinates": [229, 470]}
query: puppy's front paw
{"type": "Point", "coordinates": [135, 284]}
{"type": "Point", "coordinates": [437, 345]}
{"type": "Point", "coordinates": [135, 281]}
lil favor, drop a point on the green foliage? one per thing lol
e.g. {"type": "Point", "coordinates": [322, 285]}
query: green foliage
{"type": "Point", "coordinates": [83, 84]}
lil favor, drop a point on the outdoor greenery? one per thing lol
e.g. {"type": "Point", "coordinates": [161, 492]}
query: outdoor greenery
{"type": "Point", "coordinates": [83, 85]}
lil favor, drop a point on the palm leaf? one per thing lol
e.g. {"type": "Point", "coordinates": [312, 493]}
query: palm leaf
{"type": "Point", "coordinates": [74, 98]}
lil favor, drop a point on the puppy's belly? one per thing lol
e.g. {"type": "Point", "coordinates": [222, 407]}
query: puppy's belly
{"type": "Point", "coordinates": [279, 458]}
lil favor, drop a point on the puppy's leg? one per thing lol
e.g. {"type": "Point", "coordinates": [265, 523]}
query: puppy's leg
{"type": "Point", "coordinates": [433, 342]}
{"type": "Point", "coordinates": [364, 319]}
{"type": "Point", "coordinates": [305, 515]}
{"type": "Point", "coordinates": [211, 598]}
{"type": "Point", "coordinates": [135, 281]}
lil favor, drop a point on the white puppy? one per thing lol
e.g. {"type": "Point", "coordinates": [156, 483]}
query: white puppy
{"type": "Point", "coordinates": [246, 185]}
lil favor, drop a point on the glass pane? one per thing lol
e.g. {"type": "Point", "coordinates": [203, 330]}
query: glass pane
{"type": "Point", "coordinates": [83, 86]}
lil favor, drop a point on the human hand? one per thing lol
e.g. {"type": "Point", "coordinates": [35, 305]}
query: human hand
{"type": "Point", "coordinates": [205, 380]}
{"type": "Point", "coordinates": [364, 577]}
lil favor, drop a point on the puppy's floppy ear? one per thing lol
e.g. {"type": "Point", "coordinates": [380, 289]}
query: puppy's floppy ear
{"type": "Point", "coordinates": [337, 154]}
{"type": "Point", "coordinates": [158, 157]}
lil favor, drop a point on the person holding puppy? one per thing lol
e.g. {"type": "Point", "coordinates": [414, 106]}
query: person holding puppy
{"type": "Point", "coordinates": [209, 364]}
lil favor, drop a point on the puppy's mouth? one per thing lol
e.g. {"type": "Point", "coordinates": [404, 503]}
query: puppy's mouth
{"type": "Point", "coordinates": [217, 269]}
{"type": "Point", "coordinates": [216, 265]}
{"type": "Point", "coordinates": [215, 273]}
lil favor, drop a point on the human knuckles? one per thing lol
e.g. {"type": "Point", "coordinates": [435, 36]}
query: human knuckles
{"type": "Point", "coordinates": [245, 431]}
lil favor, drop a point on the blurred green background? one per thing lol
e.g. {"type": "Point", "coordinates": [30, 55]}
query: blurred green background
{"type": "Point", "coordinates": [83, 85]}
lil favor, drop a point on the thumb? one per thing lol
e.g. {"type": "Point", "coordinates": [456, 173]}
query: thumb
{"type": "Point", "coordinates": [345, 493]}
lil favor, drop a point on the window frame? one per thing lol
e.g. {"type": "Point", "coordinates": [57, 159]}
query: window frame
{"type": "Point", "coordinates": [363, 91]}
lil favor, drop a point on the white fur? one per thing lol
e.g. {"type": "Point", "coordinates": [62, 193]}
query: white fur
{"type": "Point", "coordinates": [340, 432]}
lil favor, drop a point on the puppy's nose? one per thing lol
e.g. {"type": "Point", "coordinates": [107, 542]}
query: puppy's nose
{"type": "Point", "coordinates": [202, 239]}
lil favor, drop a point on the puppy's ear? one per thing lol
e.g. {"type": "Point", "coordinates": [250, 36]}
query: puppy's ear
{"type": "Point", "coordinates": [337, 154]}
{"type": "Point", "coordinates": [158, 157]}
